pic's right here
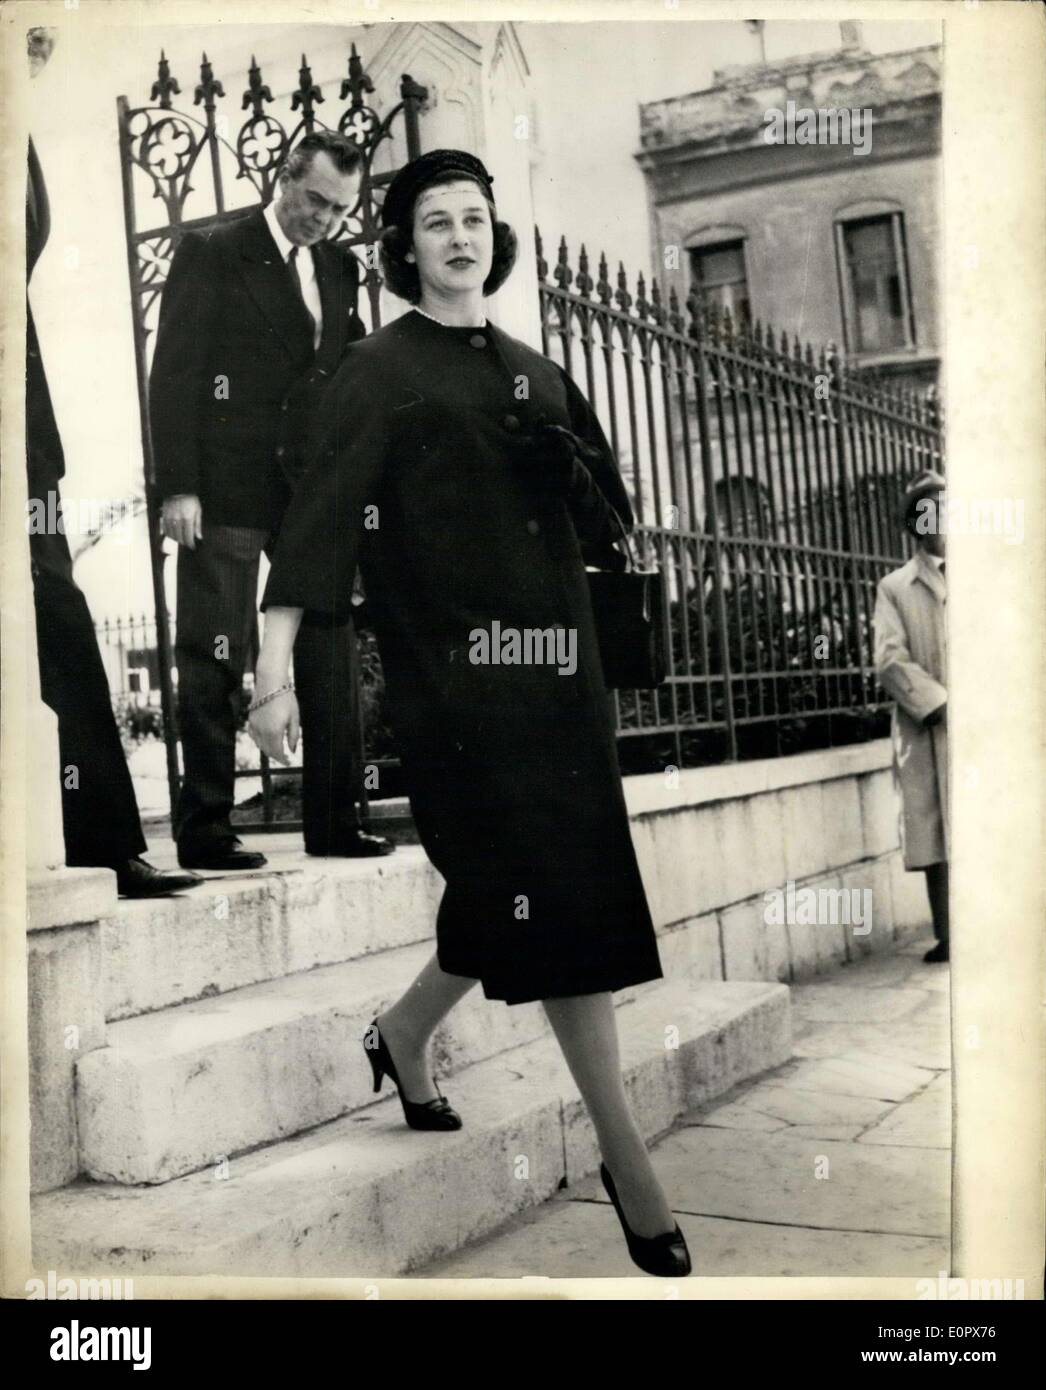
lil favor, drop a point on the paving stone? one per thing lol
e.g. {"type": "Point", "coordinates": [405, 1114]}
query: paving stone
{"type": "Point", "coordinates": [783, 1106]}
{"type": "Point", "coordinates": [924, 1122]}
{"type": "Point", "coordinates": [893, 969]}
{"type": "Point", "coordinates": [923, 1045]}
{"type": "Point", "coordinates": [840, 1132]}
{"type": "Point", "coordinates": [772, 1177]}
{"type": "Point", "coordinates": [578, 1240]}
{"type": "Point", "coordinates": [838, 1003]}
{"type": "Point", "coordinates": [738, 1116]}
{"type": "Point", "coordinates": [857, 1074]}
{"type": "Point", "coordinates": [936, 978]}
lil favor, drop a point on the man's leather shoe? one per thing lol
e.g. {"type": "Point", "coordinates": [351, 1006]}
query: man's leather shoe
{"type": "Point", "coordinates": [220, 854]}
{"type": "Point", "coordinates": [357, 844]}
{"type": "Point", "coordinates": [937, 953]}
{"type": "Point", "coordinates": [137, 879]}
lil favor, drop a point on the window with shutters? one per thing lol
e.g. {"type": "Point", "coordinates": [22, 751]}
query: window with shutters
{"type": "Point", "coordinates": [877, 305]}
{"type": "Point", "coordinates": [720, 279]}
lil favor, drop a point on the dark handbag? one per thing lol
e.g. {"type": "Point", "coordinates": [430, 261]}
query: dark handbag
{"type": "Point", "coordinates": [629, 609]}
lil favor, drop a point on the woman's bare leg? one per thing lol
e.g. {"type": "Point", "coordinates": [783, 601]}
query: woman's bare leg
{"type": "Point", "coordinates": [409, 1024]}
{"type": "Point", "coordinates": [586, 1030]}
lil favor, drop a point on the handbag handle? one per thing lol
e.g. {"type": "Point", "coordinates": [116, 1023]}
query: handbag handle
{"type": "Point", "coordinates": [631, 564]}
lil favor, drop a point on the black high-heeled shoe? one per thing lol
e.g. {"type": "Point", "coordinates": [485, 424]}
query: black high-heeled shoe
{"type": "Point", "coordinates": [665, 1255]}
{"type": "Point", "coordinates": [428, 1114]}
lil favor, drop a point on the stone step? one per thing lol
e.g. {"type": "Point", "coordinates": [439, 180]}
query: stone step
{"type": "Point", "coordinates": [365, 1196]}
{"type": "Point", "coordinates": [175, 1090]}
{"type": "Point", "coordinates": [242, 929]}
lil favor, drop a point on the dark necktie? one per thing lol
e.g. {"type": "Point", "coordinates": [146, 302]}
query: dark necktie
{"type": "Point", "coordinates": [292, 266]}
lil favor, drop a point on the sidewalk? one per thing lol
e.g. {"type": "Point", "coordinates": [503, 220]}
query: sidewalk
{"type": "Point", "coordinates": [836, 1164]}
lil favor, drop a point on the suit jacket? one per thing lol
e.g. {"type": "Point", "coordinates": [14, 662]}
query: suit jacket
{"type": "Point", "coordinates": [911, 663]}
{"type": "Point", "coordinates": [45, 460]}
{"type": "Point", "coordinates": [235, 381]}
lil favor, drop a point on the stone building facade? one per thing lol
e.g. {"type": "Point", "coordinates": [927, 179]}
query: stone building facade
{"type": "Point", "coordinates": [823, 229]}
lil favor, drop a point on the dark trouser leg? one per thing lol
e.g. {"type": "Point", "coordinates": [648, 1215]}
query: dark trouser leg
{"type": "Point", "coordinates": [99, 810]}
{"type": "Point", "coordinates": [325, 679]}
{"type": "Point", "coordinates": [217, 617]}
{"type": "Point", "coordinates": [937, 891]}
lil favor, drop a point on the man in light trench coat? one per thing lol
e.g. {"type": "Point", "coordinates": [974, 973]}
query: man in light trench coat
{"type": "Point", "coordinates": [911, 663]}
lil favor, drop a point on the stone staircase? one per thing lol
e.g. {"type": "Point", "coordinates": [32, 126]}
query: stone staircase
{"type": "Point", "coordinates": [228, 1125]}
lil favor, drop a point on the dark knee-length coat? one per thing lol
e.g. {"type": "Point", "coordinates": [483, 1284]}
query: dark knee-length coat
{"type": "Point", "coordinates": [425, 473]}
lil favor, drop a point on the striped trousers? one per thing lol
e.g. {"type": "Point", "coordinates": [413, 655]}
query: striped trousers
{"type": "Point", "coordinates": [217, 627]}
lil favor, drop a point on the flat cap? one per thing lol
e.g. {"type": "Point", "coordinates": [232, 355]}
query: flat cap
{"type": "Point", "coordinates": [924, 485]}
{"type": "Point", "coordinates": [412, 178]}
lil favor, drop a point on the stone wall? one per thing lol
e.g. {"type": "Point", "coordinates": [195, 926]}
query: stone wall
{"type": "Point", "coordinates": [714, 844]}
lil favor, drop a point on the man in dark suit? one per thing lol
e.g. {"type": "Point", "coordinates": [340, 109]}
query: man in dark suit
{"type": "Point", "coordinates": [100, 822]}
{"type": "Point", "coordinates": [255, 318]}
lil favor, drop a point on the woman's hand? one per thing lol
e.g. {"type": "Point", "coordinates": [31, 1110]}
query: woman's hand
{"type": "Point", "coordinates": [273, 722]}
{"type": "Point", "coordinates": [559, 455]}
{"type": "Point", "coordinates": [277, 718]}
{"type": "Point", "coordinates": [556, 453]}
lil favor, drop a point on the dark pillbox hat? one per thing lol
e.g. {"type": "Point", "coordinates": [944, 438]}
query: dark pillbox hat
{"type": "Point", "coordinates": [405, 187]}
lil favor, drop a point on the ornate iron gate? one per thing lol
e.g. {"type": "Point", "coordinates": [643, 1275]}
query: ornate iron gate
{"type": "Point", "coordinates": [162, 151]}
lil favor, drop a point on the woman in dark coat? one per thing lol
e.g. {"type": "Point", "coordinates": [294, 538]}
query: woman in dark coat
{"type": "Point", "coordinates": [469, 479]}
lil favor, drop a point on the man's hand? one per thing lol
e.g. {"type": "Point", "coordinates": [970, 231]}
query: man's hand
{"type": "Point", "coordinates": [182, 519]}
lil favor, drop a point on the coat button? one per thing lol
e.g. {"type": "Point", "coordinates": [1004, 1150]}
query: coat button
{"type": "Point", "coordinates": [283, 407]}
{"type": "Point", "coordinates": [478, 340]}
{"type": "Point", "coordinates": [511, 422]}
{"type": "Point", "coordinates": [280, 451]}
{"type": "Point", "coordinates": [533, 527]}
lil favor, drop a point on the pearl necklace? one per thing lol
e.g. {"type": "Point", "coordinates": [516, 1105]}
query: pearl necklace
{"type": "Point", "coordinates": [419, 310]}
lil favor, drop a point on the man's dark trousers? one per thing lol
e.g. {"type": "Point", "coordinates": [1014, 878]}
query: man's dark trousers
{"type": "Point", "coordinates": [216, 626]}
{"type": "Point", "coordinates": [100, 819]}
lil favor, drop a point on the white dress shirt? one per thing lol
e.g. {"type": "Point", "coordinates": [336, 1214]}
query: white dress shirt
{"type": "Point", "coordinates": [306, 271]}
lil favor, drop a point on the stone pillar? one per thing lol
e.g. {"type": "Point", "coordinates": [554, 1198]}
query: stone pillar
{"type": "Point", "coordinates": [478, 101]}
{"type": "Point", "coordinates": [66, 1014]}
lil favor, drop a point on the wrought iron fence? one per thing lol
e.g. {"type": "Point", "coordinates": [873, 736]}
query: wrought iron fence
{"type": "Point", "coordinates": [765, 477]}
{"type": "Point", "coordinates": [131, 654]}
